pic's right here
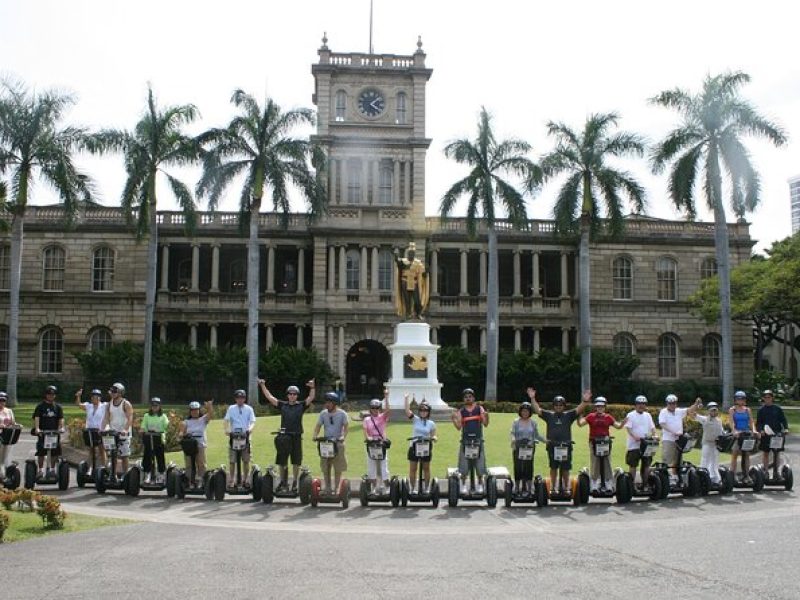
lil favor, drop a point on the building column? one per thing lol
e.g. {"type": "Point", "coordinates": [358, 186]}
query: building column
{"type": "Point", "coordinates": [301, 270]}
{"type": "Point", "coordinates": [407, 186]}
{"type": "Point", "coordinates": [517, 339]}
{"type": "Point", "coordinates": [465, 337]}
{"type": "Point", "coordinates": [537, 343]}
{"type": "Point", "coordinates": [375, 264]}
{"type": "Point", "coordinates": [483, 273]}
{"type": "Point", "coordinates": [195, 268]}
{"type": "Point", "coordinates": [330, 347]}
{"type": "Point", "coordinates": [434, 275]}
{"type": "Point", "coordinates": [164, 268]}
{"type": "Point", "coordinates": [162, 332]}
{"type": "Point", "coordinates": [269, 332]}
{"type": "Point", "coordinates": [363, 273]}
{"type": "Point", "coordinates": [365, 186]}
{"type": "Point", "coordinates": [463, 290]}
{"type": "Point", "coordinates": [193, 336]}
{"type": "Point", "coordinates": [332, 166]}
{"type": "Point", "coordinates": [483, 340]}
{"type": "Point", "coordinates": [564, 283]}
{"type": "Point", "coordinates": [535, 257]}
{"type": "Point", "coordinates": [300, 328]}
{"type": "Point", "coordinates": [270, 268]}
{"type": "Point", "coordinates": [341, 353]}
{"type": "Point", "coordinates": [331, 268]}
{"type": "Point", "coordinates": [564, 340]}
{"type": "Point", "coordinates": [215, 267]}
{"type": "Point", "coordinates": [212, 337]}
{"type": "Point", "coordinates": [396, 182]}
{"type": "Point", "coordinates": [517, 274]}
{"type": "Point", "coordinates": [342, 268]}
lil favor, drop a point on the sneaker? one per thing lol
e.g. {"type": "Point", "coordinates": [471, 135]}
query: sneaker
{"type": "Point", "coordinates": [294, 487]}
{"type": "Point", "coordinates": [281, 487]}
{"type": "Point", "coordinates": [463, 489]}
{"type": "Point", "coordinates": [147, 478]}
{"type": "Point", "coordinates": [479, 488]}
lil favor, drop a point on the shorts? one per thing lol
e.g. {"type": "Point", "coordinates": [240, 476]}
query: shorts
{"type": "Point", "coordinates": [245, 454]}
{"type": "Point", "coordinates": [288, 446]}
{"type": "Point", "coordinates": [554, 464]}
{"type": "Point", "coordinates": [338, 462]}
{"type": "Point", "coordinates": [634, 457]}
{"type": "Point", "coordinates": [669, 452]}
{"type": "Point", "coordinates": [412, 456]}
{"type": "Point", "coordinates": [40, 450]}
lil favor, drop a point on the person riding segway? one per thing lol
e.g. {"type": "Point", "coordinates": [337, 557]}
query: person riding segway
{"type": "Point", "coordinates": [475, 483]}
{"type": "Point", "coordinates": [525, 488]}
{"type": "Point", "coordinates": [95, 411]}
{"type": "Point", "coordinates": [288, 444]}
{"type": "Point", "coordinates": [772, 426]}
{"type": "Point", "coordinates": [48, 425]}
{"type": "Point", "coordinates": [194, 479]}
{"type": "Point", "coordinates": [239, 421]}
{"type": "Point", "coordinates": [420, 488]}
{"type": "Point", "coordinates": [376, 485]}
{"type": "Point", "coordinates": [642, 445]}
{"type": "Point", "coordinates": [677, 475]}
{"type": "Point", "coordinates": [713, 477]}
{"type": "Point", "coordinates": [154, 430]}
{"type": "Point", "coordinates": [10, 476]}
{"type": "Point", "coordinates": [603, 482]}
{"type": "Point", "coordinates": [745, 441]}
{"type": "Point", "coordinates": [331, 447]}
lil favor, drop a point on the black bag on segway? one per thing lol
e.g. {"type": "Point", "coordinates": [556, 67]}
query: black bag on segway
{"type": "Point", "coordinates": [189, 446]}
{"type": "Point", "coordinates": [682, 441]}
{"type": "Point", "coordinates": [725, 442]}
{"type": "Point", "coordinates": [91, 438]}
{"type": "Point", "coordinates": [10, 435]}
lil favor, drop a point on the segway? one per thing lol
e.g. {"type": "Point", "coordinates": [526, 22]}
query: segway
{"type": "Point", "coordinates": [423, 493]}
{"type": "Point", "coordinates": [85, 473]}
{"type": "Point", "coordinates": [52, 476]}
{"type": "Point", "coordinates": [652, 488]}
{"type": "Point", "coordinates": [106, 477]}
{"type": "Point", "coordinates": [9, 436]}
{"type": "Point", "coordinates": [181, 484]}
{"type": "Point", "coordinates": [529, 491]}
{"type": "Point", "coordinates": [754, 478]}
{"type": "Point", "coordinates": [472, 448]}
{"type": "Point", "coordinates": [775, 474]}
{"type": "Point", "coordinates": [617, 484]}
{"type": "Point", "coordinates": [376, 452]}
{"type": "Point", "coordinates": [687, 482]}
{"type": "Point", "coordinates": [152, 440]}
{"type": "Point", "coordinates": [328, 448]}
{"type": "Point", "coordinates": [238, 442]}
{"type": "Point", "coordinates": [301, 488]}
{"type": "Point", "coordinates": [560, 493]}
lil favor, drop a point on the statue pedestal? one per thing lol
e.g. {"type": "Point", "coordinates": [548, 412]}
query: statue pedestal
{"type": "Point", "coordinates": [414, 369]}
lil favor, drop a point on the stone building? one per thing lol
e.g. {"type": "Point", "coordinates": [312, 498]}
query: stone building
{"type": "Point", "coordinates": [329, 284]}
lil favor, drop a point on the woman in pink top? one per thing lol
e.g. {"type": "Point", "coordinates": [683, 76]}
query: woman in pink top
{"type": "Point", "coordinates": [374, 426]}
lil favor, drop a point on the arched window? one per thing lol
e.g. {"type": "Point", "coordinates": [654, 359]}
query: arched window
{"type": "Point", "coordinates": [51, 351]}
{"type": "Point", "coordinates": [711, 353]}
{"type": "Point", "coordinates": [667, 356]}
{"type": "Point", "coordinates": [400, 117]}
{"type": "Point", "coordinates": [667, 278]}
{"type": "Point", "coordinates": [3, 349]}
{"type": "Point", "coordinates": [354, 182]}
{"type": "Point", "coordinates": [100, 338]}
{"type": "Point", "coordinates": [624, 344]}
{"type": "Point", "coordinates": [341, 105]}
{"type": "Point", "coordinates": [353, 269]}
{"type": "Point", "coordinates": [5, 267]}
{"type": "Point", "coordinates": [238, 276]}
{"type": "Point", "coordinates": [103, 269]}
{"type": "Point", "coordinates": [185, 275]}
{"type": "Point", "coordinates": [53, 259]}
{"type": "Point", "coordinates": [708, 268]}
{"type": "Point", "coordinates": [385, 270]}
{"type": "Point", "coordinates": [622, 276]}
{"type": "Point", "coordinates": [385, 184]}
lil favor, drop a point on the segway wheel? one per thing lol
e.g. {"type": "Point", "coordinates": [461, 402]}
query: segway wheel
{"type": "Point", "coordinates": [315, 489]}
{"type": "Point", "coordinates": [786, 474]}
{"type": "Point", "coordinates": [218, 482]}
{"type": "Point", "coordinates": [267, 484]}
{"type": "Point", "coordinates": [344, 493]}
{"type": "Point", "coordinates": [623, 491]}
{"type": "Point", "coordinates": [14, 477]}
{"type": "Point", "coordinates": [664, 476]}
{"type": "Point", "coordinates": [452, 492]}
{"type": "Point", "coordinates": [434, 493]}
{"type": "Point", "coordinates": [395, 493]}
{"type": "Point", "coordinates": [541, 493]}
{"type": "Point", "coordinates": [728, 480]}
{"type": "Point", "coordinates": [757, 475]}
{"type": "Point", "coordinates": [491, 491]}
{"type": "Point", "coordinates": [404, 492]}
{"type": "Point", "coordinates": [584, 487]}
{"type": "Point", "coordinates": [304, 489]}
{"type": "Point", "coordinates": [30, 474]}
{"type": "Point", "coordinates": [133, 482]}
{"type": "Point", "coordinates": [574, 491]}
{"type": "Point", "coordinates": [656, 490]}
{"type": "Point", "coordinates": [692, 487]}
{"type": "Point", "coordinates": [508, 496]}
{"type": "Point", "coordinates": [172, 477]}
{"type": "Point", "coordinates": [181, 485]}
{"type": "Point", "coordinates": [363, 492]}
{"type": "Point", "coordinates": [81, 474]}
{"type": "Point", "coordinates": [705, 482]}
{"type": "Point", "coordinates": [255, 484]}
{"type": "Point", "coordinates": [100, 479]}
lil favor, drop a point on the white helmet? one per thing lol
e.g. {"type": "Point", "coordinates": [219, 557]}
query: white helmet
{"type": "Point", "coordinates": [118, 387]}
{"type": "Point", "coordinates": [670, 398]}
{"type": "Point", "coordinates": [194, 405]}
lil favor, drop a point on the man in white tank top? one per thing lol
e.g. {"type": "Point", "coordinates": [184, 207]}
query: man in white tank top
{"type": "Point", "coordinates": [119, 417]}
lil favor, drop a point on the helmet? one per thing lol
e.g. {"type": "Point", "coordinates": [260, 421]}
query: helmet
{"type": "Point", "coordinates": [332, 397]}
{"type": "Point", "coordinates": [740, 395]}
{"type": "Point", "coordinates": [711, 405]}
{"type": "Point", "coordinates": [640, 399]}
{"type": "Point", "coordinates": [50, 389]}
{"type": "Point", "coordinates": [767, 393]}
{"type": "Point", "coordinates": [600, 400]}
{"type": "Point", "coordinates": [525, 406]}
{"type": "Point", "coordinates": [240, 394]}
{"type": "Point", "coordinates": [194, 405]}
{"type": "Point", "coordinates": [424, 406]}
{"type": "Point", "coordinates": [467, 391]}
{"type": "Point", "coordinates": [670, 398]}
{"type": "Point", "coordinates": [96, 392]}
{"type": "Point", "coordinates": [3, 396]}
{"type": "Point", "coordinates": [155, 400]}
{"type": "Point", "coordinates": [118, 387]}
{"type": "Point", "coordinates": [559, 400]}
{"type": "Point", "coordinates": [292, 389]}
{"type": "Point", "coordinates": [375, 403]}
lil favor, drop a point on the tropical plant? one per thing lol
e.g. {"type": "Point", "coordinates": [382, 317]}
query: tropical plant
{"type": "Point", "coordinates": [157, 141]}
{"type": "Point", "coordinates": [34, 144]}
{"type": "Point", "coordinates": [257, 146]}
{"type": "Point", "coordinates": [489, 162]}
{"type": "Point", "coordinates": [590, 179]}
{"type": "Point", "coordinates": [707, 145]}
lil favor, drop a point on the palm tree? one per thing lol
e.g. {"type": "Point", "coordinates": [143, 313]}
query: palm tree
{"type": "Point", "coordinates": [157, 141]}
{"type": "Point", "coordinates": [257, 145]}
{"type": "Point", "coordinates": [34, 144]}
{"type": "Point", "coordinates": [708, 140]}
{"type": "Point", "coordinates": [578, 205]}
{"type": "Point", "coordinates": [489, 161]}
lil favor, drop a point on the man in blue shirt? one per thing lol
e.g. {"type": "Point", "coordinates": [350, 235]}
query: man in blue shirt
{"type": "Point", "coordinates": [240, 417]}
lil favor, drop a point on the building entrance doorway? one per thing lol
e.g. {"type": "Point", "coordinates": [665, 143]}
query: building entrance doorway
{"type": "Point", "coordinates": [367, 369]}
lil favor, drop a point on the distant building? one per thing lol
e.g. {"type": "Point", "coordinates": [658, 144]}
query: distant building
{"type": "Point", "coordinates": [794, 194]}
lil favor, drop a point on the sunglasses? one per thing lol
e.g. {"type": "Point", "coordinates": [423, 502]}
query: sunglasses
{"type": "Point", "coordinates": [292, 394]}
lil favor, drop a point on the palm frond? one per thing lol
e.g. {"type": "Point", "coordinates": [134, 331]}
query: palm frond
{"type": "Point", "coordinates": [567, 203]}
{"type": "Point", "coordinates": [681, 180]}
{"type": "Point", "coordinates": [674, 143]}
{"type": "Point", "coordinates": [185, 200]}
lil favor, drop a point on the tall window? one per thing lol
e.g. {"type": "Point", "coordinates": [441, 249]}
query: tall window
{"type": "Point", "coordinates": [100, 338]}
{"type": "Point", "coordinates": [5, 267]}
{"type": "Point", "coordinates": [53, 259]}
{"type": "Point", "coordinates": [51, 351]}
{"type": "Point", "coordinates": [622, 276]}
{"type": "Point", "coordinates": [400, 118]}
{"type": "Point", "coordinates": [385, 184]}
{"type": "Point", "coordinates": [711, 354]}
{"type": "Point", "coordinates": [341, 105]}
{"type": "Point", "coordinates": [3, 349]}
{"type": "Point", "coordinates": [103, 269]}
{"type": "Point", "coordinates": [353, 269]}
{"type": "Point", "coordinates": [238, 276]}
{"type": "Point", "coordinates": [185, 275]}
{"type": "Point", "coordinates": [667, 356]}
{"type": "Point", "coordinates": [354, 182]}
{"type": "Point", "coordinates": [708, 268]}
{"type": "Point", "coordinates": [385, 270]}
{"type": "Point", "coordinates": [624, 344]}
{"type": "Point", "coordinates": [666, 278]}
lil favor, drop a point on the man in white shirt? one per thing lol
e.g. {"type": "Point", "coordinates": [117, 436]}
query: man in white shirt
{"type": "Point", "coordinates": [639, 424]}
{"type": "Point", "coordinates": [242, 418]}
{"type": "Point", "coordinates": [671, 421]}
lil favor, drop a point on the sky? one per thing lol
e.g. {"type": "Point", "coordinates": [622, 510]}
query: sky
{"type": "Point", "coordinates": [527, 62]}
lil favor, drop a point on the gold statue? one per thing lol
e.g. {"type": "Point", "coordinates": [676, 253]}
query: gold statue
{"type": "Point", "coordinates": [411, 300]}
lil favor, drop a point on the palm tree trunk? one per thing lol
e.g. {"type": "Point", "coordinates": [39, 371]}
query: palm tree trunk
{"type": "Point", "coordinates": [13, 318]}
{"type": "Point", "coordinates": [492, 325]}
{"type": "Point", "coordinates": [150, 295]}
{"type": "Point", "coordinates": [253, 264]}
{"type": "Point", "coordinates": [585, 308]}
{"type": "Point", "coordinates": [723, 272]}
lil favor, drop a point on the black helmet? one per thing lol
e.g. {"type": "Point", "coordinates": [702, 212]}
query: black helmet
{"type": "Point", "coordinates": [525, 406]}
{"type": "Point", "coordinates": [332, 397]}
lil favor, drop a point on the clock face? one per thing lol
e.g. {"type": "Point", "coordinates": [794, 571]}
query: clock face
{"type": "Point", "coordinates": [371, 102]}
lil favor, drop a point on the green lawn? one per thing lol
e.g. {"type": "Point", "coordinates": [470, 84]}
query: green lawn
{"type": "Point", "coordinates": [445, 452]}
{"type": "Point", "coordinates": [25, 525]}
